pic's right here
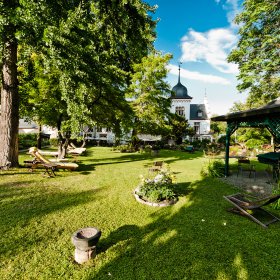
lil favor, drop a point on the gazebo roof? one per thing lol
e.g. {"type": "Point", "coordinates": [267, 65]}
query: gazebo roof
{"type": "Point", "coordinates": [272, 108]}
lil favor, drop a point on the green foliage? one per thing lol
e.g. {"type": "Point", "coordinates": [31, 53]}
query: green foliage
{"type": "Point", "coordinates": [276, 191]}
{"type": "Point", "coordinates": [158, 188]}
{"type": "Point", "coordinates": [257, 53]}
{"type": "Point", "coordinates": [125, 148]}
{"type": "Point", "coordinates": [53, 142]}
{"type": "Point", "coordinates": [179, 128]}
{"type": "Point", "coordinates": [149, 94]}
{"type": "Point", "coordinates": [218, 128]}
{"type": "Point", "coordinates": [253, 137]}
{"type": "Point", "coordinates": [214, 168]}
{"type": "Point", "coordinates": [75, 58]}
{"type": "Point", "coordinates": [27, 140]}
{"type": "Point", "coordinates": [201, 144]}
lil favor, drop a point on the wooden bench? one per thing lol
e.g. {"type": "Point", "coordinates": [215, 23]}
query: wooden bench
{"type": "Point", "coordinates": [33, 164]}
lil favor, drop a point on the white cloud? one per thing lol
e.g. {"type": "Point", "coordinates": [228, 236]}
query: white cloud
{"type": "Point", "coordinates": [193, 75]}
{"type": "Point", "coordinates": [212, 47]}
{"type": "Point", "coordinates": [232, 7]}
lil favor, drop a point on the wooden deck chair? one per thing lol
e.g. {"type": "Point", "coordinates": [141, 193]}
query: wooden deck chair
{"type": "Point", "coordinates": [157, 166]}
{"type": "Point", "coordinates": [76, 152]}
{"type": "Point", "coordinates": [252, 208]}
{"type": "Point", "coordinates": [48, 153]}
{"type": "Point", "coordinates": [55, 164]}
{"type": "Point", "coordinates": [73, 147]}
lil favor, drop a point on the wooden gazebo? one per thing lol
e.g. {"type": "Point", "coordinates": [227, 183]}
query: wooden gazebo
{"type": "Point", "coordinates": [267, 116]}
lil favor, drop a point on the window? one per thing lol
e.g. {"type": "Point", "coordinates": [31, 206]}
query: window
{"type": "Point", "coordinates": [199, 113]}
{"type": "Point", "coordinates": [98, 129]}
{"type": "Point", "coordinates": [197, 127]}
{"type": "Point", "coordinates": [180, 111]}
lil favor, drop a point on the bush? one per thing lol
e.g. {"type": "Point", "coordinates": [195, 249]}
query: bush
{"type": "Point", "coordinates": [254, 143]}
{"type": "Point", "coordinates": [214, 169]}
{"type": "Point", "coordinates": [201, 145]}
{"type": "Point", "coordinates": [158, 188]}
{"type": "Point", "coordinates": [54, 142]}
{"type": "Point", "coordinates": [27, 140]}
{"type": "Point", "coordinates": [125, 148]}
{"type": "Point", "coordinates": [275, 191]}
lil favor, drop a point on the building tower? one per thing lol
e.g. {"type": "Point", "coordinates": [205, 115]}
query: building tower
{"type": "Point", "coordinates": [180, 100]}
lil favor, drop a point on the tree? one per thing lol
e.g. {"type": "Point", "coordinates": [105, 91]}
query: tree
{"type": "Point", "coordinates": [91, 45]}
{"type": "Point", "coordinates": [258, 50]}
{"type": "Point", "coordinates": [149, 94]}
{"type": "Point", "coordinates": [21, 21]}
{"type": "Point", "coordinates": [9, 118]}
{"type": "Point", "coordinates": [179, 128]}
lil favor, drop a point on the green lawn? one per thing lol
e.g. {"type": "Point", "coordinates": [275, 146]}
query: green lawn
{"type": "Point", "coordinates": [194, 239]}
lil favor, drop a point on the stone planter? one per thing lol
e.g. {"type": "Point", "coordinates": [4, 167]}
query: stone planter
{"type": "Point", "coordinates": [157, 204]}
{"type": "Point", "coordinates": [85, 241]}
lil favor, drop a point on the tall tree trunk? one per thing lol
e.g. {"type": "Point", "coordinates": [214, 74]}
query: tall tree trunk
{"type": "Point", "coordinates": [9, 119]}
{"type": "Point", "coordinates": [39, 137]}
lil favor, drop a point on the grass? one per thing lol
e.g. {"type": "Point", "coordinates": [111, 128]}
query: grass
{"type": "Point", "coordinates": [194, 239]}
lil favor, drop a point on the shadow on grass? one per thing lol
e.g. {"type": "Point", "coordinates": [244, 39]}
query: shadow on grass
{"type": "Point", "coordinates": [199, 240]}
{"type": "Point", "coordinates": [131, 157]}
{"type": "Point", "coordinates": [34, 201]}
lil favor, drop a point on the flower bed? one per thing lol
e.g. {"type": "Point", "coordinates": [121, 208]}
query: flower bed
{"type": "Point", "coordinates": [158, 190]}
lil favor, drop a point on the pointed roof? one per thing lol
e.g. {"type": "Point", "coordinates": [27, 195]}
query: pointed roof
{"type": "Point", "coordinates": [180, 91]}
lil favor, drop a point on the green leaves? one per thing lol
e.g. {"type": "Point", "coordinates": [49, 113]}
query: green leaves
{"type": "Point", "coordinates": [258, 52]}
{"type": "Point", "coordinates": [150, 94]}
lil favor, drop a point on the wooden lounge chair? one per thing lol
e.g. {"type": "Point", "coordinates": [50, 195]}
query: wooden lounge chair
{"type": "Point", "coordinates": [48, 153]}
{"type": "Point", "coordinates": [73, 147]}
{"type": "Point", "coordinates": [252, 208]}
{"type": "Point", "coordinates": [49, 163]}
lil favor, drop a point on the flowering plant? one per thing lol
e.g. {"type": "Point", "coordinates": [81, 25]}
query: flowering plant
{"type": "Point", "coordinates": [157, 188]}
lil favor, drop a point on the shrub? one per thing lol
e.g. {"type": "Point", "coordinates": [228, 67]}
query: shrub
{"type": "Point", "coordinates": [158, 188]}
{"type": "Point", "coordinates": [275, 191]}
{"type": "Point", "coordinates": [54, 142]}
{"type": "Point", "coordinates": [125, 148]}
{"type": "Point", "coordinates": [254, 143]}
{"type": "Point", "coordinates": [27, 140]}
{"type": "Point", "coordinates": [214, 168]}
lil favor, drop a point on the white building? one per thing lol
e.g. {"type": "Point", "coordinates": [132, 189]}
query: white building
{"type": "Point", "coordinates": [197, 115]}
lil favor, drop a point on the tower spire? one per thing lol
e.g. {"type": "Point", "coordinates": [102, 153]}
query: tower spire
{"type": "Point", "coordinates": [179, 72]}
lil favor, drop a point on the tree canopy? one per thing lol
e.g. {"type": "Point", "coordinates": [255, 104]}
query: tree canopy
{"type": "Point", "coordinates": [149, 94]}
{"type": "Point", "coordinates": [258, 50]}
{"type": "Point", "coordinates": [74, 56]}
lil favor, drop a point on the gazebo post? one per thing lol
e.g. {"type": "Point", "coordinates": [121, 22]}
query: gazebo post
{"type": "Point", "coordinates": [227, 153]}
{"type": "Point", "coordinates": [231, 127]}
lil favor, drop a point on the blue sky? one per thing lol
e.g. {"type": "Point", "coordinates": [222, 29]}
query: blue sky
{"type": "Point", "coordinates": [200, 34]}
